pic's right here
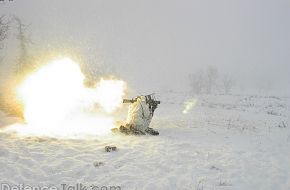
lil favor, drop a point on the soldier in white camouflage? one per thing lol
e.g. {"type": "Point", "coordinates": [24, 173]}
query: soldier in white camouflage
{"type": "Point", "coordinates": [140, 114]}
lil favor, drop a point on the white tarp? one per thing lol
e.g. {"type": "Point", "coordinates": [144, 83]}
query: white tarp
{"type": "Point", "coordinates": [139, 114]}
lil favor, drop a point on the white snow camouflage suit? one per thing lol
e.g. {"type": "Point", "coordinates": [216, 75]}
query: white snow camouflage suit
{"type": "Point", "coordinates": [139, 114]}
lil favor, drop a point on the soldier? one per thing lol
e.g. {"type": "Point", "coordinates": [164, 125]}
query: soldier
{"type": "Point", "coordinates": [140, 114]}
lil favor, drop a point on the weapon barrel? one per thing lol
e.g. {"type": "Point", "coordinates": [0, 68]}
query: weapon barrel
{"type": "Point", "coordinates": [128, 101]}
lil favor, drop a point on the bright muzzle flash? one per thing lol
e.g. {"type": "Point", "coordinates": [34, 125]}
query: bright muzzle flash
{"type": "Point", "coordinates": [56, 102]}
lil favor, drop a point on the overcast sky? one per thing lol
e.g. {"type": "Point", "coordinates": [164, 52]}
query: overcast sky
{"type": "Point", "coordinates": [162, 42]}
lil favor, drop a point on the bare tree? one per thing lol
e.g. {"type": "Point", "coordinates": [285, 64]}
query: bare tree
{"type": "Point", "coordinates": [227, 83]}
{"type": "Point", "coordinates": [24, 41]}
{"type": "Point", "coordinates": [197, 82]}
{"type": "Point", "coordinates": [4, 28]}
{"type": "Point", "coordinates": [211, 77]}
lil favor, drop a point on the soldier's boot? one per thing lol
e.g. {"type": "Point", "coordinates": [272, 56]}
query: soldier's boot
{"type": "Point", "coordinates": [151, 131]}
{"type": "Point", "coordinates": [134, 130]}
{"type": "Point", "coordinates": [124, 130]}
{"type": "Point", "coordinates": [130, 130]}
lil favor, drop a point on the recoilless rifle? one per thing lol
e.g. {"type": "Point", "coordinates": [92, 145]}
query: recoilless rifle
{"type": "Point", "coordinates": [150, 100]}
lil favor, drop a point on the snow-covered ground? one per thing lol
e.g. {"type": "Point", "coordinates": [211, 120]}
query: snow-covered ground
{"type": "Point", "coordinates": [223, 142]}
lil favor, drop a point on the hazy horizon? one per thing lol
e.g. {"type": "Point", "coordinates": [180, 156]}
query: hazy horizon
{"type": "Point", "coordinates": [156, 45]}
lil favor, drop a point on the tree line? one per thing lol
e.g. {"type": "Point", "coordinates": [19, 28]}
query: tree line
{"type": "Point", "coordinates": [6, 26]}
{"type": "Point", "coordinates": [209, 80]}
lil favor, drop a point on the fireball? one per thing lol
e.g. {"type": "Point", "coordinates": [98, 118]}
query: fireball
{"type": "Point", "coordinates": [56, 102]}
